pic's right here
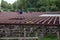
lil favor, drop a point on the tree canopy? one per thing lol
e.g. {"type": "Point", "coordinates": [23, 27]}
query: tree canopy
{"type": "Point", "coordinates": [31, 5]}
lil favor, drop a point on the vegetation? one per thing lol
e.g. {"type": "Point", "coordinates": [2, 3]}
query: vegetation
{"type": "Point", "coordinates": [32, 5]}
{"type": "Point", "coordinates": [50, 36]}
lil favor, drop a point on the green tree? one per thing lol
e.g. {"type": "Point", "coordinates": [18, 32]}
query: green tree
{"type": "Point", "coordinates": [4, 5]}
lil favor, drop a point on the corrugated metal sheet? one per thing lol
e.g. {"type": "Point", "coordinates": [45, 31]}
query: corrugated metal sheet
{"type": "Point", "coordinates": [29, 18]}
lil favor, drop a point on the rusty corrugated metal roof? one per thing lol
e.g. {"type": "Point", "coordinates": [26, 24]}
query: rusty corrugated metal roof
{"type": "Point", "coordinates": [28, 18]}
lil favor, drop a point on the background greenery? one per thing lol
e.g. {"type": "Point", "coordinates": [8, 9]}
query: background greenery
{"type": "Point", "coordinates": [50, 36]}
{"type": "Point", "coordinates": [31, 5]}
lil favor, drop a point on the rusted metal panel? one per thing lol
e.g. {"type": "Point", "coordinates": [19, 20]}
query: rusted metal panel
{"type": "Point", "coordinates": [29, 18]}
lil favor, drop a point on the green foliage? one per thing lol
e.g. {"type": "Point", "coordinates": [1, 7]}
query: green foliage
{"type": "Point", "coordinates": [32, 5]}
{"type": "Point", "coordinates": [50, 36]}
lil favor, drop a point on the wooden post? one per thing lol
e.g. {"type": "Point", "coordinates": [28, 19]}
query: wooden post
{"type": "Point", "coordinates": [36, 35]}
{"type": "Point", "coordinates": [31, 29]}
{"type": "Point", "coordinates": [24, 32]}
{"type": "Point", "coordinates": [43, 32]}
{"type": "Point", "coordinates": [58, 35]}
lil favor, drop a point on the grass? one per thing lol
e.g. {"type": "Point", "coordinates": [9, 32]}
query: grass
{"type": "Point", "coordinates": [50, 37]}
